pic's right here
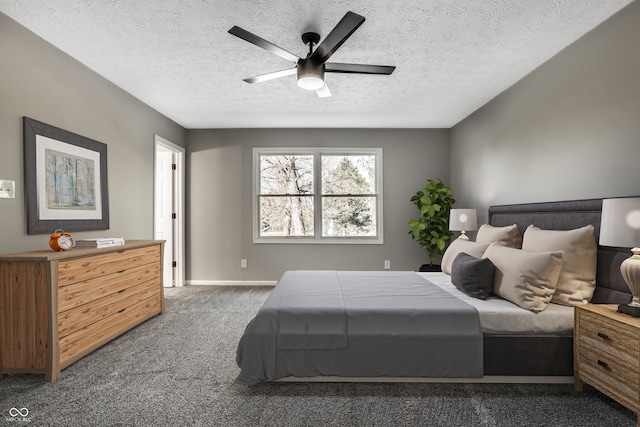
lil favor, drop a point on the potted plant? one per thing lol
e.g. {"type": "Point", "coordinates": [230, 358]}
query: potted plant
{"type": "Point", "coordinates": [431, 230]}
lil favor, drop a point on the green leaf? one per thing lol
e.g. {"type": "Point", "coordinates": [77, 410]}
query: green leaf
{"type": "Point", "coordinates": [426, 200]}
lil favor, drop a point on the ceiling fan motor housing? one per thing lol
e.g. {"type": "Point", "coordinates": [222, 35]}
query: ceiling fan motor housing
{"type": "Point", "coordinates": [310, 74]}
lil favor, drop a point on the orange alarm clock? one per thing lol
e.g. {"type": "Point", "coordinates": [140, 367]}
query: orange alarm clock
{"type": "Point", "coordinates": [61, 241]}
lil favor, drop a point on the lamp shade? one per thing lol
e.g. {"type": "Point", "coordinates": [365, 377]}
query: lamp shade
{"type": "Point", "coordinates": [463, 220]}
{"type": "Point", "coordinates": [620, 222]}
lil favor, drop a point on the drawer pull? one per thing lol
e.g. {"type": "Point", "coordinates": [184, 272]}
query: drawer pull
{"type": "Point", "coordinates": [604, 336]}
{"type": "Point", "coordinates": [605, 365]}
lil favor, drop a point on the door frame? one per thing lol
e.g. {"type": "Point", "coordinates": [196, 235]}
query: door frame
{"type": "Point", "coordinates": [178, 203]}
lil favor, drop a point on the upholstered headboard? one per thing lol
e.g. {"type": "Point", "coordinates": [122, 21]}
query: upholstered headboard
{"type": "Point", "coordinates": [567, 215]}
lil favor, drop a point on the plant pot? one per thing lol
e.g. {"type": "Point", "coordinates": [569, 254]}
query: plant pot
{"type": "Point", "coordinates": [431, 268]}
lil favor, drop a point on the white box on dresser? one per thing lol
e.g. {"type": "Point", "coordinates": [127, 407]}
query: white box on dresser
{"type": "Point", "coordinates": [57, 307]}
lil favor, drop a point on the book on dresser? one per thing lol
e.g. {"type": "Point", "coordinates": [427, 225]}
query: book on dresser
{"type": "Point", "coordinates": [100, 242]}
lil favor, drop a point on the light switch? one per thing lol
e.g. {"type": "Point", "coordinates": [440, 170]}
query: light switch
{"type": "Point", "coordinates": [7, 189]}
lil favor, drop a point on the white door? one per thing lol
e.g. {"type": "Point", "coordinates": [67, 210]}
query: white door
{"type": "Point", "coordinates": [168, 221]}
{"type": "Point", "coordinates": [164, 210]}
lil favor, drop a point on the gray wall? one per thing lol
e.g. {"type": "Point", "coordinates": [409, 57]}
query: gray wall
{"type": "Point", "coordinates": [220, 204]}
{"type": "Point", "coordinates": [39, 81]}
{"type": "Point", "coordinates": [569, 130]}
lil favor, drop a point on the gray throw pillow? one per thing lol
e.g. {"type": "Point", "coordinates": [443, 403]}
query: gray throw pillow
{"type": "Point", "coordinates": [473, 276]}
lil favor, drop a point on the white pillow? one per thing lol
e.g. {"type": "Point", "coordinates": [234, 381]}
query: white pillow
{"type": "Point", "coordinates": [460, 245]}
{"type": "Point", "coordinates": [508, 235]}
{"type": "Point", "coordinates": [527, 279]}
{"type": "Point", "coordinates": [577, 280]}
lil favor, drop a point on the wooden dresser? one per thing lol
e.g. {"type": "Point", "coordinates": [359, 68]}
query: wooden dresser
{"type": "Point", "coordinates": [57, 307]}
{"type": "Point", "coordinates": [607, 353]}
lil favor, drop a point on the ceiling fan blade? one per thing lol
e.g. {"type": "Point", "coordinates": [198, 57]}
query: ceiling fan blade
{"type": "Point", "coordinates": [324, 91]}
{"type": "Point", "coordinates": [340, 33]}
{"type": "Point", "coordinates": [271, 76]}
{"type": "Point", "coordinates": [260, 42]}
{"type": "Point", "coordinates": [335, 67]}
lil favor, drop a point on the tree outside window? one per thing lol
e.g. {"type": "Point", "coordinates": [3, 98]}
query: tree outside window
{"type": "Point", "coordinates": [286, 195]}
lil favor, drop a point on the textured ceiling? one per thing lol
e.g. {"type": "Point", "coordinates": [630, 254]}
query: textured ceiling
{"type": "Point", "coordinates": [452, 56]}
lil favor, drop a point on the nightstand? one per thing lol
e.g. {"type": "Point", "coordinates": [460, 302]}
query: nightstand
{"type": "Point", "coordinates": [607, 353]}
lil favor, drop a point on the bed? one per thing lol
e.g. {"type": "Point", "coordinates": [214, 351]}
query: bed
{"type": "Point", "coordinates": [320, 324]}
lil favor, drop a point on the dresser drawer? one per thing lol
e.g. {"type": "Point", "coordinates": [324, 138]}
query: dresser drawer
{"type": "Point", "coordinates": [81, 316]}
{"type": "Point", "coordinates": [83, 341]}
{"type": "Point", "coordinates": [89, 290]}
{"type": "Point", "coordinates": [610, 372]}
{"type": "Point", "coordinates": [77, 270]}
{"type": "Point", "coordinates": [609, 337]}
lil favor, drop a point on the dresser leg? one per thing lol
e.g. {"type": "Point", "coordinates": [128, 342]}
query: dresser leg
{"type": "Point", "coordinates": [51, 375]}
{"type": "Point", "coordinates": [577, 384]}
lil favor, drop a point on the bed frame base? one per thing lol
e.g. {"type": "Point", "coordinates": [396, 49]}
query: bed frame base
{"type": "Point", "coordinates": [528, 355]}
{"type": "Point", "coordinates": [489, 379]}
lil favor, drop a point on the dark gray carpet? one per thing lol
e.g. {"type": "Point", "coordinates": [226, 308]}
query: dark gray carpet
{"type": "Point", "coordinates": [179, 370]}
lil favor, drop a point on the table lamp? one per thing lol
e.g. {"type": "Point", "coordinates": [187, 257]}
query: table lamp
{"type": "Point", "coordinates": [463, 220]}
{"type": "Point", "coordinates": [620, 227]}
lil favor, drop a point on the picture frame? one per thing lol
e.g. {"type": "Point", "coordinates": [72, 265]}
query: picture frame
{"type": "Point", "coordinates": [65, 180]}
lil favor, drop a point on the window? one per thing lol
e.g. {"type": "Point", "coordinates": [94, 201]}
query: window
{"type": "Point", "coordinates": [312, 195]}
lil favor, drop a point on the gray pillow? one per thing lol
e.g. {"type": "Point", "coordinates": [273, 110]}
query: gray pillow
{"type": "Point", "coordinates": [473, 276]}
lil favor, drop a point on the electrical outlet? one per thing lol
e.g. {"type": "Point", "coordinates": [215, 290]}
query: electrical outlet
{"type": "Point", "coordinates": [387, 264]}
{"type": "Point", "coordinates": [243, 263]}
{"type": "Point", "coordinates": [7, 189]}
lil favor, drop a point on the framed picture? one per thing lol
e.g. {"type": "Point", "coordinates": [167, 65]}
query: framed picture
{"type": "Point", "coordinates": [65, 180]}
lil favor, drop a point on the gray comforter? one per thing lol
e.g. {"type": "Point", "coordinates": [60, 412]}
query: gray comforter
{"type": "Point", "coordinates": [360, 324]}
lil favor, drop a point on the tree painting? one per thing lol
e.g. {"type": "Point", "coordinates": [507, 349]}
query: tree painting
{"type": "Point", "coordinates": [69, 181]}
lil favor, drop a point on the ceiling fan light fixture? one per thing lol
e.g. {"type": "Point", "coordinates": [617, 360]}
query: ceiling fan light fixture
{"type": "Point", "coordinates": [310, 82]}
{"type": "Point", "coordinates": [310, 75]}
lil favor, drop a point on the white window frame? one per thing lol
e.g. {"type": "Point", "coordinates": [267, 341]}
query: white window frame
{"type": "Point", "coordinates": [317, 238]}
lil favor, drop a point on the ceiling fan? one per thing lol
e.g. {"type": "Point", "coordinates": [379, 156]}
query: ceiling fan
{"type": "Point", "coordinates": [310, 70]}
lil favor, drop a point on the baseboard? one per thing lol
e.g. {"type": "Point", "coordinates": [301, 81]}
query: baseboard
{"type": "Point", "coordinates": [230, 282]}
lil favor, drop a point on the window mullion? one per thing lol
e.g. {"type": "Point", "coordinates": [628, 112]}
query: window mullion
{"type": "Point", "coordinates": [317, 188]}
